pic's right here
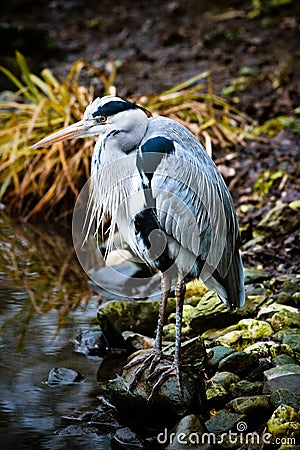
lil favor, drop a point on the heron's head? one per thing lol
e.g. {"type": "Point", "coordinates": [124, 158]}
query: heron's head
{"type": "Point", "coordinates": [102, 116]}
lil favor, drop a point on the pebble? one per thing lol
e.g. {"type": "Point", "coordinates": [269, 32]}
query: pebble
{"type": "Point", "coordinates": [186, 435]}
{"type": "Point", "coordinates": [285, 376]}
{"type": "Point", "coordinates": [285, 397]}
{"type": "Point", "coordinates": [61, 376]}
{"type": "Point", "coordinates": [286, 318]}
{"type": "Point", "coordinates": [126, 438]}
{"type": "Point", "coordinates": [224, 421]}
{"type": "Point", "coordinates": [245, 387]}
{"type": "Point", "coordinates": [254, 404]}
{"type": "Point", "coordinates": [238, 363]}
{"type": "Point", "coordinates": [225, 379]}
{"type": "Point", "coordinates": [284, 422]}
{"type": "Point", "coordinates": [217, 354]}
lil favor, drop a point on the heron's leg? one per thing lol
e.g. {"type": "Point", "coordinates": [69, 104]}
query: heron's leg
{"type": "Point", "coordinates": [165, 372]}
{"type": "Point", "coordinates": [165, 292]}
{"type": "Point", "coordinates": [153, 359]}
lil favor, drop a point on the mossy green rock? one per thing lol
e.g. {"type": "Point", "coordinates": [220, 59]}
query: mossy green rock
{"type": "Point", "coordinates": [254, 404]}
{"type": "Point", "coordinates": [266, 312]}
{"type": "Point", "coordinates": [255, 329]}
{"type": "Point", "coordinates": [132, 315]}
{"type": "Point", "coordinates": [260, 349]}
{"type": "Point", "coordinates": [216, 394]}
{"type": "Point", "coordinates": [280, 349]}
{"type": "Point", "coordinates": [245, 388]}
{"type": "Point", "coordinates": [282, 359]}
{"type": "Point", "coordinates": [225, 379]}
{"type": "Point", "coordinates": [286, 318]}
{"type": "Point", "coordinates": [290, 337]}
{"type": "Point", "coordinates": [284, 422]}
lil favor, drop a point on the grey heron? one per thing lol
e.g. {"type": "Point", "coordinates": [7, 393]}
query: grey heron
{"type": "Point", "coordinates": [168, 200]}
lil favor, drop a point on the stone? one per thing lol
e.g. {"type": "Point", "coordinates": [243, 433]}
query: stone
{"type": "Point", "coordinates": [249, 405]}
{"type": "Point", "coordinates": [260, 349]}
{"type": "Point", "coordinates": [255, 329]}
{"type": "Point", "coordinates": [290, 337]}
{"type": "Point", "coordinates": [60, 376]}
{"type": "Point", "coordinates": [188, 434]}
{"type": "Point", "coordinates": [285, 376]}
{"type": "Point", "coordinates": [126, 438]}
{"type": "Point", "coordinates": [244, 387]}
{"type": "Point", "coordinates": [225, 379]}
{"type": "Point", "coordinates": [139, 316]}
{"type": "Point", "coordinates": [223, 421]}
{"type": "Point", "coordinates": [284, 422]}
{"type": "Point", "coordinates": [285, 397]}
{"type": "Point", "coordinates": [282, 359]}
{"type": "Point", "coordinates": [238, 363]}
{"type": "Point", "coordinates": [91, 343]}
{"type": "Point", "coordinates": [254, 275]}
{"type": "Point", "coordinates": [287, 317]}
{"type": "Point", "coordinates": [217, 354]}
{"type": "Point", "coordinates": [168, 400]}
{"type": "Point", "coordinates": [279, 349]}
{"type": "Point", "coordinates": [257, 374]}
{"type": "Point", "coordinates": [216, 394]}
{"type": "Point", "coordinates": [266, 312]}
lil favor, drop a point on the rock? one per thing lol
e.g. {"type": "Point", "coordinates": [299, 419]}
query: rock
{"type": "Point", "coordinates": [78, 430]}
{"type": "Point", "coordinates": [254, 404]}
{"type": "Point", "coordinates": [137, 341]}
{"type": "Point", "coordinates": [244, 387]}
{"type": "Point", "coordinates": [266, 312]}
{"type": "Point", "coordinates": [280, 219]}
{"type": "Point", "coordinates": [260, 349]}
{"type": "Point", "coordinates": [139, 316]}
{"type": "Point", "coordinates": [254, 275]}
{"type": "Point", "coordinates": [284, 422]}
{"type": "Point", "coordinates": [285, 298]}
{"type": "Point", "coordinates": [290, 337]}
{"type": "Point", "coordinates": [286, 376]}
{"type": "Point", "coordinates": [167, 401]}
{"type": "Point", "coordinates": [257, 374]}
{"type": "Point", "coordinates": [287, 317]}
{"type": "Point", "coordinates": [255, 329]}
{"type": "Point", "coordinates": [285, 397]}
{"type": "Point", "coordinates": [282, 359]}
{"type": "Point", "coordinates": [217, 354]}
{"type": "Point", "coordinates": [216, 394]}
{"type": "Point", "coordinates": [60, 376]}
{"type": "Point", "coordinates": [91, 343]}
{"type": "Point", "coordinates": [238, 363]}
{"type": "Point", "coordinates": [186, 435]}
{"type": "Point", "coordinates": [223, 421]}
{"type": "Point", "coordinates": [225, 379]}
{"type": "Point", "coordinates": [125, 438]}
{"type": "Point", "coordinates": [279, 349]}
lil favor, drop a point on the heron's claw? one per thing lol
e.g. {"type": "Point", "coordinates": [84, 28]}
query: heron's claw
{"type": "Point", "coordinates": [151, 362]}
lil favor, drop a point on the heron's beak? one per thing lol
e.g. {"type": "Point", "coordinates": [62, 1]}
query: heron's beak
{"type": "Point", "coordinates": [78, 129]}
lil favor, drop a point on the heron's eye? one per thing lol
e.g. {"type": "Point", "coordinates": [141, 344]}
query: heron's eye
{"type": "Point", "coordinates": [102, 119]}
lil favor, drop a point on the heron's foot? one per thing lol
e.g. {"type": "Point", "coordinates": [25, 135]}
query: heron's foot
{"type": "Point", "coordinates": [146, 361]}
{"type": "Point", "coordinates": [157, 371]}
{"type": "Point", "coordinates": [164, 373]}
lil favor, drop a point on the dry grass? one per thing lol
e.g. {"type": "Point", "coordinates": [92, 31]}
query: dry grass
{"type": "Point", "coordinates": [45, 182]}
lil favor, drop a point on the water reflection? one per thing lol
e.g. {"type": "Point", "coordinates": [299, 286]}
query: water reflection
{"type": "Point", "coordinates": [44, 302]}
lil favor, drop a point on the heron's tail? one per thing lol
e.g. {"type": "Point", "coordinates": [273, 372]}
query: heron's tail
{"type": "Point", "coordinates": [231, 288]}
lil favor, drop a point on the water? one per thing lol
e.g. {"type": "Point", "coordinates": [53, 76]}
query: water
{"type": "Point", "coordinates": [41, 312]}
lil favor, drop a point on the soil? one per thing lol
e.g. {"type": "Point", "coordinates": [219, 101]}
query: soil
{"type": "Point", "coordinates": [158, 44]}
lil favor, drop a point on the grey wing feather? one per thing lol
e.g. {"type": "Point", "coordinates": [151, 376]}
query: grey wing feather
{"type": "Point", "coordinates": [195, 208]}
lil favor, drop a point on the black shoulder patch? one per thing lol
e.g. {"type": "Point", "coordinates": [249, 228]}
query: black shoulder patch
{"type": "Point", "coordinates": [151, 154]}
{"type": "Point", "coordinates": [113, 107]}
{"type": "Point", "coordinates": [159, 144]}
